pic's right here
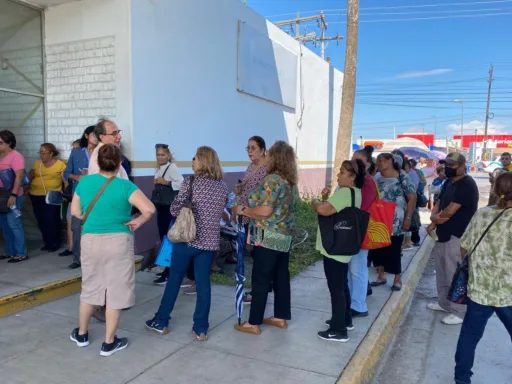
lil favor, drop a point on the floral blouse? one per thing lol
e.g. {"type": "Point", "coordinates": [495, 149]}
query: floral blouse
{"type": "Point", "coordinates": [252, 179]}
{"type": "Point", "coordinates": [490, 280]}
{"type": "Point", "coordinates": [209, 199]}
{"type": "Point", "coordinates": [394, 189]}
{"type": "Point", "coordinates": [275, 192]}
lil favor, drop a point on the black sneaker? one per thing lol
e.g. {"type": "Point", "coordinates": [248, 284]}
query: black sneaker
{"type": "Point", "coordinates": [67, 252]}
{"type": "Point", "coordinates": [117, 345]}
{"type": "Point", "coordinates": [80, 340]}
{"type": "Point", "coordinates": [334, 336]}
{"type": "Point", "coordinates": [350, 327]}
{"type": "Point", "coordinates": [74, 266]}
{"type": "Point", "coordinates": [152, 325]}
{"type": "Point", "coordinates": [416, 244]}
{"type": "Point", "coordinates": [162, 280]}
{"type": "Point", "coordinates": [359, 314]}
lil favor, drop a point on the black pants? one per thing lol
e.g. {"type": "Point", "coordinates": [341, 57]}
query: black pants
{"type": "Point", "coordinates": [415, 237]}
{"type": "Point", "coordinates": [337, 281]}
{"type": "Point", "coordinates": [389, 257]}
{"type": "Point", "coordinates": [270, 267]}
{"type": "Point", "coordinates": [48, 220]}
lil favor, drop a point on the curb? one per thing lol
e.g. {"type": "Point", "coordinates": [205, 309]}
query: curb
{"type": "Point", "coordinates": [33, 297]}
{"type": "Point", "coordinates": [362, 366]}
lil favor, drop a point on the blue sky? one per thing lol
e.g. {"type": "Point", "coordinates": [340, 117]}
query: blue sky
{"type": "Point", "coordinates": [410, 71]}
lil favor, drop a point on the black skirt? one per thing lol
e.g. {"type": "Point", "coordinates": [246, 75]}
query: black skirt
{"type": "Point", "coordinates": [390, 257]}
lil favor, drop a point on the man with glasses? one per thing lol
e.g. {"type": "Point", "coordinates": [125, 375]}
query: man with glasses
{"type": "Point", "coordinates": [107, 132]}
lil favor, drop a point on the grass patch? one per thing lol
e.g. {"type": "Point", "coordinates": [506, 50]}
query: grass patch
{"type": "Point", "coordinates": [302, 255]}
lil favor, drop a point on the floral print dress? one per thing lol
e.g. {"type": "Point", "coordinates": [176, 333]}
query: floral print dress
{"type": "Point", "coordinates": [252, 179]}
{"type": "Point", "coordinates": [394, 189]}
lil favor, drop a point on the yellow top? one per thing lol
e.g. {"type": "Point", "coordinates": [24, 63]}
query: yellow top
{"type": "Point", "coordinates": [51, 176]}
{"type": "Point", "coordinates": [509, 167]}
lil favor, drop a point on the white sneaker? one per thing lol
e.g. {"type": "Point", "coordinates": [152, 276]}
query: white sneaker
{"type": "Point", "coordinates": [435, 307]}
{"type": "Point", "coordinates": [452, 320]}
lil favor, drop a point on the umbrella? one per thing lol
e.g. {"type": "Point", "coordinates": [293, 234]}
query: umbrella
{"type": "Point", "coordinates": [417, 153]}
{"type": "Point", "coordinates": [240, 269]}
{"type": "Point", "coordinates": [439, 154]}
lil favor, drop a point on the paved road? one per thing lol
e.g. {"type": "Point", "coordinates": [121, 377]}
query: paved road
{"type": "Point", "coordinates": [424, 348]}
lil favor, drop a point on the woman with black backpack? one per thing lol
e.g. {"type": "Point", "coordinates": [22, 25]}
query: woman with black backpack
{"type": "Point", "coordinates": [350, 180]}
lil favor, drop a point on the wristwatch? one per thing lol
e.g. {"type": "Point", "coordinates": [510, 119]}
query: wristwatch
{"type": "Point", "coordinates": [14, 195]}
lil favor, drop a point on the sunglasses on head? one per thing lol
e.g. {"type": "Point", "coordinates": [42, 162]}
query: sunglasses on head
{"type": "Point", "coordinates": [165, 146]}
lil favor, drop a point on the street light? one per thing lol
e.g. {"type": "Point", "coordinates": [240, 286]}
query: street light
{"type": "Point", "coordinates": [461, 102]}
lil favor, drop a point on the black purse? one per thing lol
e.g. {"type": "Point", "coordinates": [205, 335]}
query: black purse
{"type": "Point", "coordinates": [67, 193]}
{"type": "Point", "coordinates": [459, 287]}
{"type": "Point", "coordinates": [343, 233]}
{"type": "Point", "coordinates": [163, 194]}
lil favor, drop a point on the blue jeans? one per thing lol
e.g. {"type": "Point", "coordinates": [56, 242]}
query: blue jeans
{"type": "Point", "coordinates": [358, 280]}
{"type": "Point", "coordinates": [182, 254]}
{"type": "Point", "coordinates": [14, 235]}
{"type": "Point", "coordinates": [472, 331]}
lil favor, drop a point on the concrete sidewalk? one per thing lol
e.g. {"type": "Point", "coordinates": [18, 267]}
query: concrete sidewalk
{"type": "Point", "coordinates": [36, 346]}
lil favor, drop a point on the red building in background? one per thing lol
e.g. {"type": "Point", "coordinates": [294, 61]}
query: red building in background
{"type": "Point", "coordinates": [501, 140]}
{"type": "Point", "coordinates": [427, 138]}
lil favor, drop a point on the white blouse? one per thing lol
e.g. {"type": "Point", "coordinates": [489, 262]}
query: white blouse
{"type": "Point", "coordinates": [173, 175]}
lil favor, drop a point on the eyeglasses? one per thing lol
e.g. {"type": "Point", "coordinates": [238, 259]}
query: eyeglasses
{"type": "Point", "coordinates": [164, 146]}
{"type": "Point", "coordinates": [115, 133]}
{"type": "Point", "coordinates": [251, 148]}
{"type": "Point", "coordinates": [43, 153]}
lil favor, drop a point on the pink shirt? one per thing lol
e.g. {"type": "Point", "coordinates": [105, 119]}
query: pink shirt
{"type": "Point", "coordinates": [16, 162]}
{"type": "Point", "coordinates": [368, 193]}
{"type": "Point", "coordinates": [94, 168]}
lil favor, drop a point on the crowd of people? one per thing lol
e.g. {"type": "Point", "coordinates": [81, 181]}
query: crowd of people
{"type": "Point", "coordinates": [97, 174]}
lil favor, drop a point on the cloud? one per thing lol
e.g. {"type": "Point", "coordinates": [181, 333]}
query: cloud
{"type": "Point", "coordinates": [431, 72]}
{"type": "Point", "coordinates": [469, 128]}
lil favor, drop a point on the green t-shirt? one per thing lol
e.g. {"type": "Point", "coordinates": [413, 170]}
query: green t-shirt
{"type": "Point", "coordinates": [112, 210]}
{"type": "Point", "coordinates": [339, 200]}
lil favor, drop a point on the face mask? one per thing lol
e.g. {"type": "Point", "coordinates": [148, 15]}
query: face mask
{"type": "Point", "coordinates": [450, 172]}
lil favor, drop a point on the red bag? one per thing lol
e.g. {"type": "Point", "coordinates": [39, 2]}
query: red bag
{"type": "Point", "coordinates": [380, 227]}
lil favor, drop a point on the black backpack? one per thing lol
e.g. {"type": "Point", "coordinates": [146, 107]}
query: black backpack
{"type": "Point", "coordinates": [343, 233]}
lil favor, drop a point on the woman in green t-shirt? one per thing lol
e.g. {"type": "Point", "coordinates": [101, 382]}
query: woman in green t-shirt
{"type": "Point", "coordinates": [107, 250]}
{"type": "Point", "coordinates": [352, 175]}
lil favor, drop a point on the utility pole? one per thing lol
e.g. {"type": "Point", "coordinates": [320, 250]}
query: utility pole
{"type": "Point", "coordinates": [311, 37]}
{"type": "Point", "coordinates": [349, 86]}
{"type": "Point", "coordinates": [487, 113]}
{"type": "Point", "coordinates": [435, 130]}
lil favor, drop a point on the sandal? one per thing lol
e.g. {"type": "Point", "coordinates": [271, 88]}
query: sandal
{"type": "Point", "coordinates": [378, 283]}
{"type": "Point", "coordinates": [396, 287]}
{"type": "Point", "coordinates": [17, 259]}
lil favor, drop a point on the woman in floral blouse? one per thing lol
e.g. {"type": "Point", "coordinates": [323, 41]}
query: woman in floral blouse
{"type": "Point", "coordinates": [256, 149]}
{"type": "Point", "coordinates": [490, 282]}
{"type": "Point", "coordinates": [270, 210]}
{"type": "Point", "coordinates": [394, 186]}
{"type": "Point", "coordinates": [209, 197]}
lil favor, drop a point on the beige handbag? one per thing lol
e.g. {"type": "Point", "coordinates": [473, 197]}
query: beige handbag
{"type": "Point", "coordinates": [184, 228]}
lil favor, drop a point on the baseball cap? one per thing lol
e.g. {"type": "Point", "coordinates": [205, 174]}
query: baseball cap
{"type": "Point", "coordinates": [454, 158]}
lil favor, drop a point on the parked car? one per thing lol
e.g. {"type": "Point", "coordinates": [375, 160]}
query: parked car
{"type": "Point", "coordinates": [490, 166]}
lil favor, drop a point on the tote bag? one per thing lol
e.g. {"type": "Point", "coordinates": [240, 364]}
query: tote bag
{"type": "Point", "coordinates": [164, 255]}
{"type": "Point", "coordinates": [380, 226]}
{"type": "Point", "coordinates": [184, 229]}
{"type": "Point", "coordinates": [343, 233]}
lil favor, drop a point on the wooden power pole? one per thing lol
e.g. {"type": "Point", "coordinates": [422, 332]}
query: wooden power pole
{"type": "Point", "coordinates": [343, 143]}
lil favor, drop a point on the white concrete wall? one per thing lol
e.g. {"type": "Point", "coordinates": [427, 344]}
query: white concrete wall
{"type": "Point", "coordinates": [184, 65]}
{"type": "Point", "coordinates": [88, 68]}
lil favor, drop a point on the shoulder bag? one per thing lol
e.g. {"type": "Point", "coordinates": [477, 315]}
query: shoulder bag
{"type": "Point", "coordinates": [380, 226]}
{"type": "Point", "coordinates": [95, 200]}
{"type": "Point", "coordinates": [459, 287]}
{"type": "Point", "coordinates": [163, 194]}
{"type": "Point", "coordinates": [51, 197]}
{"type": "Point", "coordinates": [343, 233]}
{"type": "Point", "coordinates": [184, 228]}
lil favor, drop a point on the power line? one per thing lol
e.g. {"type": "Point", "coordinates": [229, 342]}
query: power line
{"type": "Point", "coordinates": [403, 7]}
{"type": "Point", "coordinates": [427, 12]}
{"type": "Point", "coordinates": [431, 18]}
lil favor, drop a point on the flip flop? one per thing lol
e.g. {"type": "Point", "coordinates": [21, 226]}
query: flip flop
{"type": "Point", "coordinates": [378, 283]}
{"type": "Point", "coordinates": [17, 259]}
